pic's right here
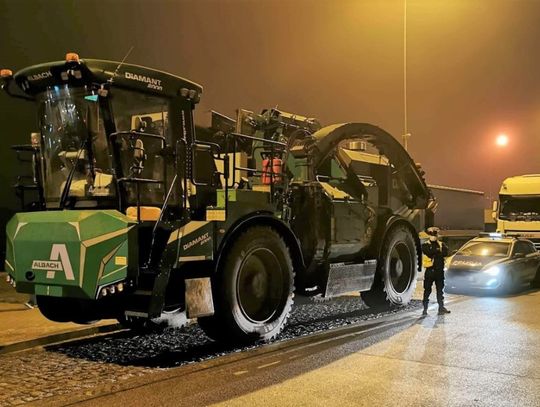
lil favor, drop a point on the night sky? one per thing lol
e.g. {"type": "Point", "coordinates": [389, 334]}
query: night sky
{"type": "Point", "coordinates": [473, 68]}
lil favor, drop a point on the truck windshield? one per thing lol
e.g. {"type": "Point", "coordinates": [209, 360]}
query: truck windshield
{"type": "Point", "coordinates": [74, 146]}
{"type": "Point", "coordinates": [497, 249]}
{"type": "Point", "coordinates": [514, 208]}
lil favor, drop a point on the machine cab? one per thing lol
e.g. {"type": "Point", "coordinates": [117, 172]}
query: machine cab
{"type": "Point", "coordinates": [107, 140]}
{"type": "Point", "coordinates": [111, 160]}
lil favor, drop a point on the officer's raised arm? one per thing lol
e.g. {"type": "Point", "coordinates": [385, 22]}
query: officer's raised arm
{"type": "Point", "coordinates": [444, 249]}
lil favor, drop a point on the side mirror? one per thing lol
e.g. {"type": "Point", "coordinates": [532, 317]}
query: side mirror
{"type": "Point", "coordinates": [494, 209]}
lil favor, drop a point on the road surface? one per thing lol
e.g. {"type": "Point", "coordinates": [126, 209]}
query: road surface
{"type": "Point", "coordinates": [487, 352]}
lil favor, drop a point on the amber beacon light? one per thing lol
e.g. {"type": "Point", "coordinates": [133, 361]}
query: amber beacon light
{"type": "Point", "coordinates": [5, 73]}
{"type": "Point", "coordinates": [72, 57]}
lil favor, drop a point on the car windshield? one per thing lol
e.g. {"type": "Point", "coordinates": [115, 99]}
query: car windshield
{"type": "Point", "coordinates": [74, 145]}
{"type": "Point", "coordinates": [496, 249]}
{"type": "Point", "coordinates": [515, 208]}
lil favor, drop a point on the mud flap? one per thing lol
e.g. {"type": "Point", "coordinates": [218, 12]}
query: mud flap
{"type": "Point", "coordinates": [199, 301]}
{"type": "Point", "coordinates": [157, 299]}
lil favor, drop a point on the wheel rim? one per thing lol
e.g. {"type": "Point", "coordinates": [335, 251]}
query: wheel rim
{"type": "Point", "coordinates": [260, 286]}
{"type": "Point", "coordinates": [401, 267]}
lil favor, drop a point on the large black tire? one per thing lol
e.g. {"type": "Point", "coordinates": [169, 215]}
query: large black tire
{"type": "Point", "coordinates": [397, 270]}
{"type": "Point", "coordinates": [55, 309]}
{"type": "Point", "coordinates": [253, 291]}
{"type": "Point", "coordinates": [67, 310]}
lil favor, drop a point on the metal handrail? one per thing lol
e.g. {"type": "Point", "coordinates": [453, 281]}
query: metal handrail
{"type": "Point", "coordinates": [139, 134]}
{"type": "Point", "coordinates": [275, 147]}
{"type": "Point", "coordinates": [238, 135]}
{"type": "Point", "coordinates": [140, 180]}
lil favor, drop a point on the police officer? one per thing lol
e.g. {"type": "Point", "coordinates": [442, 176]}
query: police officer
{"type": "Point", "coordinates": [433, 260]}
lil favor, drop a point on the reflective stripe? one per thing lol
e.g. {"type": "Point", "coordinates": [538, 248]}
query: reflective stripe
{"type": "Point", "coordinates": [426, 261]}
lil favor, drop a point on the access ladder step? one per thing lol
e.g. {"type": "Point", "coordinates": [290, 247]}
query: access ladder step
{"type": "Point", "coordinates": [146, 293]}
{"type": "Point", "coordinates": [137, 314]}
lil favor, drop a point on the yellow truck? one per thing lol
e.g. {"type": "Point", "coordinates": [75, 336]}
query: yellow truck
{"type": "Point", "coordinates": [517, 211]}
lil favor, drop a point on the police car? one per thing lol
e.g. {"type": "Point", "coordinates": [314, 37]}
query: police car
{"type": "Point", "coordinates": [493, 262]}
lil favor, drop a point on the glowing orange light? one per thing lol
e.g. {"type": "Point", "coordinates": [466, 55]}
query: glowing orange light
{"type": "Point", "coordinates": [72, 57]}
{"type": "Point", "coordinates": [501, 140]}
{"type": "Point", "coordinates": [4, 73]}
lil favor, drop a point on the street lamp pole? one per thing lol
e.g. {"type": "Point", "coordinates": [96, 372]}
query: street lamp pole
{"type": "Point", "coordinates": [405, 138]}
{"type": "Point", "coordinates": [406, 135]}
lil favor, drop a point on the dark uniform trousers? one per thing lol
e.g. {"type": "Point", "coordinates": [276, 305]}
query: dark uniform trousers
{"type": "Point", "coordinates": [434, 276]}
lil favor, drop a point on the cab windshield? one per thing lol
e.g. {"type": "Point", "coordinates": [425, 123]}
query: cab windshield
{"type": "Point", "coordinates": [76, 162]}
{"type": "Point", "coordinates": [497, 249]}
{"type": "Point", "coordinates": [514, 208]}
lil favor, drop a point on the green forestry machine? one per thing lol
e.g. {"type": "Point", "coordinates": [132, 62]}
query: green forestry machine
{"type": "Point", "coordinates": [139, 212]}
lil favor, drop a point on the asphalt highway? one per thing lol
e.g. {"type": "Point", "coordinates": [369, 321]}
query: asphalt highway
{"type": "Point", "coordinates": [485, 353]}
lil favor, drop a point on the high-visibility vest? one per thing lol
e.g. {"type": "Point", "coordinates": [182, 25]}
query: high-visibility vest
{"type": "Point", "coordinates": [428, 261]}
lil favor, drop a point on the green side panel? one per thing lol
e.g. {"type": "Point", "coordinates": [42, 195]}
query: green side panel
{"type": "Point", "coordinates": [198, 244]}
{"type": "Point", "coordinates": [221, 197]}
{"type": "Point", "coordinates": [50, 290]}
{"type": "Point", "coordinates": [67, 249]}
{"type": "Point", "coordinates": [245, 196]}
{"type": "Point", "coordinates": [336, 171]}
{"type": "Point", "coordinates": [192, 242]}
{"type": "Point", "coordinates": [9, 265]}
{"type": "Point", "coordinates": [114, 269]}
{"type": "Point", "coordinates": [293, 165]}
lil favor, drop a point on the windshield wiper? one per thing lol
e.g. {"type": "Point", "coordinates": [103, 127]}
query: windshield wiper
{"type": "Point", "coordinates": [69, 180]}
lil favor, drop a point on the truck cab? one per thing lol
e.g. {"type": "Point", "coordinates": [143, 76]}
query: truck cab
{"type": "Point", "coordinates": [518, 209]}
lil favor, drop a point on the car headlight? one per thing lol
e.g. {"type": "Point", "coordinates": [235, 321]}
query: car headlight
{"type": "Point", "coordinates": [493, 271]}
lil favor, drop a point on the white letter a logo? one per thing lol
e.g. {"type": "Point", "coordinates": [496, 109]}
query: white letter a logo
{"type": "Point", "coordinates": [59, 252]}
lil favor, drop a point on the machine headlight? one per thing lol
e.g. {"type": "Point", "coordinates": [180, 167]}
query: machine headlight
{"type": "Point", "coordinates": [493, 271]}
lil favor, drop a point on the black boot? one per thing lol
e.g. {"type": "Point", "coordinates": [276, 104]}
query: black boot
{"type": "Point", "coordinates": [424, 312]}
{"type": "Point", "coordinates": [443, 310]}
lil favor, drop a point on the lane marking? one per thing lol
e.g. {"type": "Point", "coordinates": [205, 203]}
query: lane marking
{"type": "Point", "coordinates": [269, 364]}
{"type": "Point", "coordinates": [240, 372]}
{"type": "Point", "coordinates": [472, 369]}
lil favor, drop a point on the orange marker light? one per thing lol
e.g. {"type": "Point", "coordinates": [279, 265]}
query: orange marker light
{"type": "Point", "coordinates": [72, 57]}
{"type": "Point", "coordinates": [4, 73]}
